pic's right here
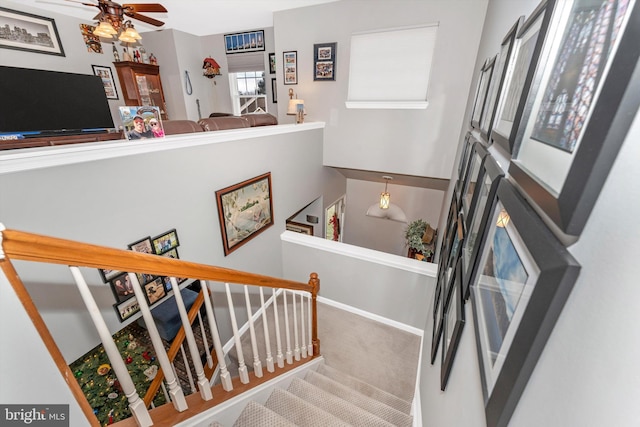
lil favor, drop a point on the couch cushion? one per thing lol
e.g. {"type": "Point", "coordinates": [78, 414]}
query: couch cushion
{"type": "Point", "coordinates": [167, 317]}
{"type": "Point", "coordinates": [223, 123]}
{"type": "Point", "coordinates": [261, 119]}
{"type": "Point", "coordinates": [175, 127]}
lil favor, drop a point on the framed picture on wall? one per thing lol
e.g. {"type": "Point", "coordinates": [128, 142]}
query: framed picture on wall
{"type": "Point", "coordinates": [106, 75]}
{"type": "Point", "coordinates": [577, 113]}
{"type": "Point", "coordinates": [522, 282]}
{"type": "Point", "coordinates": [244, 210]}
{"type": "Point", "coordinates": [298, 227]}
{"type": "Point", "coordinates": [274, 91]}
{"type": "Point", "coordinates": [324, 61]}
{"type": "Point", "coordinates": [487, 79]}
{"type": "Point", "coordinates": [272, 63]}
{"type": "Point", "coordinates": [503, 71]}
{"type": "Point", "coordinates": [290, 67]}
{"type": "Point", "coordinates": [127, 308]}
{"type": "Point", "coordinates": [452, 324]}
{"type": "Point", "coordinates": [529, 42]}
{"type": "Point", "coordinates": [478, 102]}
{"type": "Point", "coordinates": [40, 34]}
{"type": "Point", "coordinates": [249, 41]}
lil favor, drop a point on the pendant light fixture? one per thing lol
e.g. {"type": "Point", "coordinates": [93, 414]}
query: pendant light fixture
{"type": "Point", "coordinates": [384, 208]}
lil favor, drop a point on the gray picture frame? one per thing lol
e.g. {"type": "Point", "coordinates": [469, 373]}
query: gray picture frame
{"type": "Point", "coordinates": [548, 289]}
{"type": "Point", "coordinates": [452, 324]}
{"type": "Point", "coordinates": [568, 203]}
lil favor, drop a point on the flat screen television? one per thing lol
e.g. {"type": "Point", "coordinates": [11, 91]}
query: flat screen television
{"type": "Point", "coordinates": [37, 103]}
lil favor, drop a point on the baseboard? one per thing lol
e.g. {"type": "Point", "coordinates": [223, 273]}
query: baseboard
{"type": "Point", "coordinates": [374, 317]}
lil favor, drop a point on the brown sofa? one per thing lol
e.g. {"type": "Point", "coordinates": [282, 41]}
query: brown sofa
{"type": "Point", "coordinates": [218, 122]}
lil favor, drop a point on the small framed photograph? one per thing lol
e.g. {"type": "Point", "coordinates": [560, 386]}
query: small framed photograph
{"type": "Point", "coordinates": [274, 91]}
{"type": "Point", "coordinates": [577, 113]}
{"type": "Point", "coordinates": [522, 282]}
{"type": "Point", "coordinates": [38, 33]}
{"type": "Point", "coordinates": [272, 63]}
{"type": "Point", "coordinates": [452, 324]}
{"type": "Point", "coordinates": [106, 75]}
{"type": "Point", "coordinates": [249, 41]}
{"type": "Point", "coordinates": [127, 308]}
{"type": "Point", "coordinates": [142, 122]}
{"type": "Point", "coordinates": [108, 275]}
{"type": "Point", "coordinates": [121, 287]}
{"type": "Point", "coordinates": [155, 290]}
{"type": "Point", "coordinates": [165, 242]}
{"type": "Point", "coordinates": [172, 253]}
{"type": "Point", "coordinates": [290, 67]}
{"type": "Point", "coordinates": [244, 210]}
{"type": "Point", "coordinates": [324, 61]}
{"type": "Point", "coordinates": [142, 245]}
{"type": "Point", "coordinates": [298, 227]}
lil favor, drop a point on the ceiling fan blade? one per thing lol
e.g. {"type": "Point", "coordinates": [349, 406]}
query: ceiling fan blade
{"type": "Point", "coordinates": [145, 7]}
{"type": "Point", "coordinates": [144, 18]}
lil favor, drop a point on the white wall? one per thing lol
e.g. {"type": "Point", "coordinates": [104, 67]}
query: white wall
{"type": "Point", "coordinates": [411, 142]}
{"type": "Point", "coordinates": [588, 373]}
{"type": "Point", "coordinates": [114, 202]}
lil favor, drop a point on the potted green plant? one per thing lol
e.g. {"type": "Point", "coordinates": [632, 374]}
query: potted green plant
{"type": "Point", "coordinates": [414, 239]}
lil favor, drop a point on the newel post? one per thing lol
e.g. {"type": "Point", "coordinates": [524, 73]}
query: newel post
{"type": "Point", "coordinates": [315, 288]}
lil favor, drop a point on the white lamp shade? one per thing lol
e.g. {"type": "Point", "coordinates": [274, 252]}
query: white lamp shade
{"type": "Point", "coordinates": [393, 212]}
{"type": "Point", "coordinates": [104, 29]}
{"type": "Point", "coordinates": [293, 106]}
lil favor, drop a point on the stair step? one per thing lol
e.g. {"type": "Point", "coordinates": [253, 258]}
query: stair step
{"type": "Point", "coordinates": [365, 388]}
{"type": "Point", "coordinates": [256, 415]}
{"type": "Point", "coordinates": [301, 412]}
{"type": "Point", "coordinates": [342, 409]}
{"type": "Point", "coordinates": [380, 409]}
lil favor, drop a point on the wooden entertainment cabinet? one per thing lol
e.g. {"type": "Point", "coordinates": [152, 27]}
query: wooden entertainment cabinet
{"type": "Point", "coordinates": [10, 144]}
{"type": "Point", "coordinates": [141, 85]}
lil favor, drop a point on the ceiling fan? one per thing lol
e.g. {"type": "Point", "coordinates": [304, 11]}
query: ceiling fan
{"type": "Point", "coordinates": [115, 15]}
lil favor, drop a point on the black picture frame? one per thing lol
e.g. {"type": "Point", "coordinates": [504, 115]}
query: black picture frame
{"type": "Point", "coordinates": [248, 41]}
{"type": "Point", "coordinates": [487, 79]}
{"type": "Point", "coordinates": [108, 275]}
{"type": "Point", "coordinates": [503, 66]}
{"type": "Point", "coordinates": [481, 92]}
{"type": "Point", "coordinates": [513, 318]}
{"type": "Point", "coordinates": [121, 287]}
{"type": "Point", "coordinates": [106, 75]}
{"type": "Point", "coordinates": [165, 242]}
{"type": "Point", "coordinates": [478, 153]}
{"type": "Point", "coordinates": [39, 27]}
{"type": "Point", "coordinates": [274, 91]}
{"type": "Point", "coordinates": [126, 309]}
{"type": "Point", "coordinates": [567, 190]}
{"type": "Point", "coordinates": [467, 143]}
{"type": "Point", "coordinates": [232, 202]}
{"type": "Point", "coordinates": [452, 325]}
{"type": "Point", "coordinates": [154, 291]}
{"type": "Point", "coordinates": [272, 63]}
{"type": "Point", "coordinates": [324, 61]}
{"type": "Point", "coordinates": [512, 99]}
{"type": "Point", "coordinates": [290, 67]}
{"type": "Point", "coordinates": [490, 175]}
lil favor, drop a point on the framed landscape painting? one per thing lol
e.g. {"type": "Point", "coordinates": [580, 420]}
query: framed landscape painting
{"type": "Point", "coordinates": [244, 210]}
{"type": "Point", "coordinates": [522, 282]}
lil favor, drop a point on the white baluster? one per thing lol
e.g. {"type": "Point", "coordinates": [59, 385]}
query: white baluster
{"type": "Point", "coordinates": [164, 390]}
{"type": "Point", "coordinates": [267, 340]}
{"type": "Point", "coordinates": [187, 368]}
{"type": "Point", "coordinates": [296, 348]}
{"type": "Point", "coordinates": [310, 345]}
{"type": "Point", "coordinates": [242, 368]}
{"type": "Point", "coordinates": [286, 328]}
{"type": "Point", "coordinates": [279, 355]}
{"type": "Point", "coordinates": [257, 365]}
{"type": "Point", "coordinates": [175, 391]}
{"type": "Point", "coordinates": [303, 331]}
{"type": "Point", "coordinates": [225, 376]}
{"type": "Point", "coordinates": [137, 406]}
{"type": "Point", "coordinates": [203, 383]}
{"type": "Point", "coordinates": [205, 341]}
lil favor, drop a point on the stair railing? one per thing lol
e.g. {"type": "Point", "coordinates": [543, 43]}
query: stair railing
{"type": "Point", "coordinates": [17, 245]}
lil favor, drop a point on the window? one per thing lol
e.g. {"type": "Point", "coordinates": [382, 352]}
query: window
{"type": "Point", "coordinates": [390, 68]}
{"type": "Point", "coordinates": [250, 93]}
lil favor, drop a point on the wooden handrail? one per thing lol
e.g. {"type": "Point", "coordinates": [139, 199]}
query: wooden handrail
{"type": "Point", "coordinates": [25, 246]}
{"type": "Point", "coordinates": [35, 247]}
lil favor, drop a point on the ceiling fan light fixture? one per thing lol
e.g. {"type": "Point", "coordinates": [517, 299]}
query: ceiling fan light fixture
{"type": "Point", "coordinates": [105, 29]}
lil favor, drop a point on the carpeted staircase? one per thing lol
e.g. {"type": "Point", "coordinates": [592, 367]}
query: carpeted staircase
{"type": "Point", "coordinates": [327, 397]}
